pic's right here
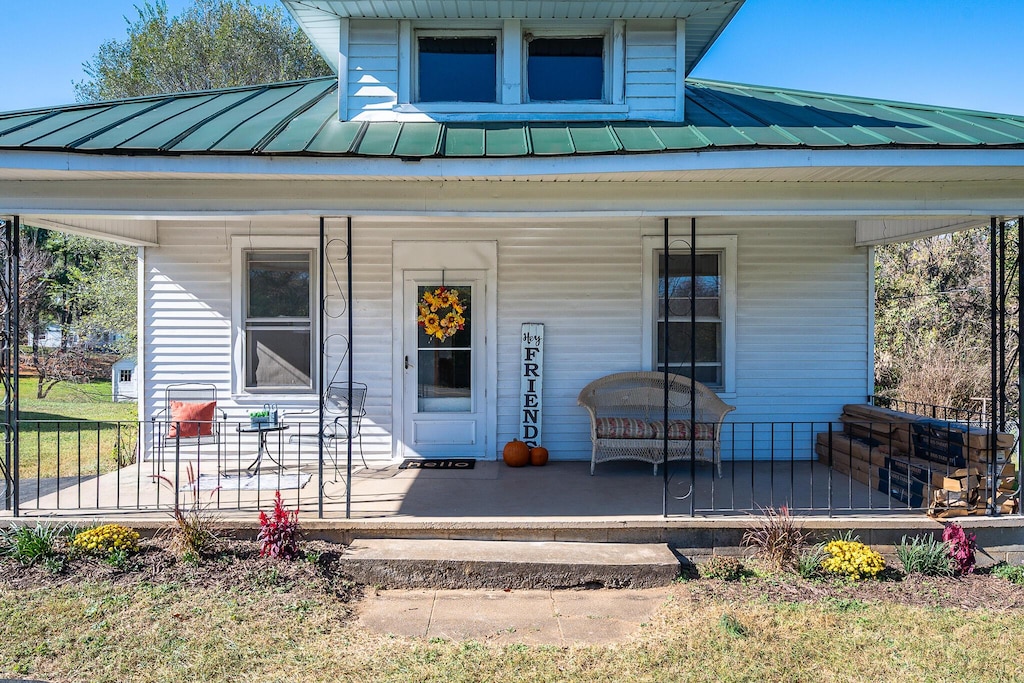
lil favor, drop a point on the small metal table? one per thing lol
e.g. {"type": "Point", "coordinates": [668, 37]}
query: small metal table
{"type": "Point", "coordinates": [262, 431]}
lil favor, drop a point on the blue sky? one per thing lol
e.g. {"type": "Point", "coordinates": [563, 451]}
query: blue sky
{"type": "Point", "coordinates": [943, 52]}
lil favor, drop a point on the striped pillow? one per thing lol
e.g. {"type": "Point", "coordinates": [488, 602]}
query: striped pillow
{"type": "Point", "coordinates": [679, 430]}
{"type": "Point", "coordinates": [623, 428]}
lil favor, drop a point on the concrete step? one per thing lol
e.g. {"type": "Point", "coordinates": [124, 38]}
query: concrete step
{"type": "Point", "coordinates": [429, 563]}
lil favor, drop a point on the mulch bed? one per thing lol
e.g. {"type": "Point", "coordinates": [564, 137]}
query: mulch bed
{"type": "Point", "coordinates": [238, 564]}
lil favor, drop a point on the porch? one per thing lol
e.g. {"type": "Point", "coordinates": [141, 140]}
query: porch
{"type": "Point", "coordinates": [565, 491]}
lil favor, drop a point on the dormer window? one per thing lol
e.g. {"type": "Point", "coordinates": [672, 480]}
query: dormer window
{"type": "Point", "coordinates": [560, 69]}
{"type": "Point", "coordinates": [457, 68]}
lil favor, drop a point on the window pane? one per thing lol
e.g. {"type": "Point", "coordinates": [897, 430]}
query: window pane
{"type": "Point", "coordinates": [565, 69]}
{"type": "Point", "coordinates": [277, 358]}
{"type": "Point", "coordinates": [680, 283]}
{"type": "Point", "coordinates": [445, 375]}
{"type": "Point", "coordinates": [278, 284]}
{"type": "Point", "coordinates": [708, 342]}
{"type": "Point", "coordinates": [458, 69]}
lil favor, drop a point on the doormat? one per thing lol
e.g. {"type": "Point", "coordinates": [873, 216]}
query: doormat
{"type": "Point", "coordinates": [438, 464]}
{"type": "Point", "coordinates": [259, 482]}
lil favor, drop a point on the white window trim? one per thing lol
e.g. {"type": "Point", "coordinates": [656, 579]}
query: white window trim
{"type": "Point", "coordinates": [605, 33]}
{"type": "Point", "coordinates": [239, 245]}
{"type": "Point", "coordinates": [727, 245]}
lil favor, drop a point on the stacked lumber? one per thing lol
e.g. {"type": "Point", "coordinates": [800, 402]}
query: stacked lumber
{"type": "Point", "coordinates": [922, 462]}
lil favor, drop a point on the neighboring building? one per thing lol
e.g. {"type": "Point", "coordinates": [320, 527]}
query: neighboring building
{"type": "Point", "coordinates": [123, 385]}
{"type": "Point", "coordinates": [533, 155]}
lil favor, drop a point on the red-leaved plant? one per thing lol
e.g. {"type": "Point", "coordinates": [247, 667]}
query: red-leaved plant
{"type": "Point", "coordinates": [279, 535]}
{"type": "Point", "coordinates": [961, 547]}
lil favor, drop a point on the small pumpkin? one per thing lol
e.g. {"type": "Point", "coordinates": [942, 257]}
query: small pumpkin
{"type": "Point", "coordinates": [538, 456]}
{"type": "Point", "coordinates": [516, 453]}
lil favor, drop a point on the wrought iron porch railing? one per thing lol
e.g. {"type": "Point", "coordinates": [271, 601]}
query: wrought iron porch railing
{"type": "Point", "coordinates": [977, 418]}
{"type": "Point", "coordinates": [82, 467]}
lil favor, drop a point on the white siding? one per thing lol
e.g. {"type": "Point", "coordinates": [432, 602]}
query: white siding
{"type": "Point", "coordinates": [372, 66]}
{"type": "Point", "coordinates": [651, 75]}
{"type": "Point", "coordinates": [801, 339]}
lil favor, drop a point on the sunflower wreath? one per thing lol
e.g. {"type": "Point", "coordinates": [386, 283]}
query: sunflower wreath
{"type": "Point", "coordinates": [440, 313]}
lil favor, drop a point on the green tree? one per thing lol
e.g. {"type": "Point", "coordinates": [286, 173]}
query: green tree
{"type": "Point", "coordinates": [932, 317]}
{"type": "Point", "coordinates": [212, 44]}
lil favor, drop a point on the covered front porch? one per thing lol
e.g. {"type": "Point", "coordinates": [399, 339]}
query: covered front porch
{"type": "Point", "coordinates": [620, 491]}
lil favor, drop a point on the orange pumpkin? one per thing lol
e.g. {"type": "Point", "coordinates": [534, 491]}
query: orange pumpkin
{"type": "Point", "coordinates": [538, 456]}
{"type": "Point", "coordinates": [516, 453]}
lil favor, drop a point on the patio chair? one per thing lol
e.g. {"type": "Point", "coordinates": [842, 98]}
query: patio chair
{"type": "Point", "coordinates": [189, 420]}
{"type": "Point", "coordinates": [335, 423]}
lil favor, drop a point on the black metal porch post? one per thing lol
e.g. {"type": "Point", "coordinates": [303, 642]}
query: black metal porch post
{"type": "Point", "coordinates": [320, 372]}
{"type": "Point", "coordinates": [693, 368]}
{"type": "Point", "coordinates": [1019, 338]}
{"type": "Point", "coordinates": [664, 343]}
{"type": "Point", "coordinates": [348, 285]}
{"type": "Point", "coordinates": [994, 297]}
{"type": "Point", "coordinates": [11, 335]}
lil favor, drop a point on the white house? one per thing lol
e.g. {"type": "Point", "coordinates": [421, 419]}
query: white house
{"type": "Point", "coordinates": [532, 155]}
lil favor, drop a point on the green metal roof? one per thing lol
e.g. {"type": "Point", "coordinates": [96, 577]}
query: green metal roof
{"type": "Point", "coordinates": [301, 119]}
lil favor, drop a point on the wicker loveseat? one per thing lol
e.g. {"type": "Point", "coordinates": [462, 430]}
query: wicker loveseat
{"type": "Point", "coordinates": [627, 417]}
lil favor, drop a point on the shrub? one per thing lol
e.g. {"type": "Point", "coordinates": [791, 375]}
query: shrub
{"type": "Point", "coordinates": [962, 547]}
{"type": "Point", "coordinates": [29, 545]}
{"type": "Point", "coordinates": [1014, 573]}
{"type": "Point", "coordinates": [808, 564]}
{"type": "Point", "coordinates": [279, 535]}
{"type": "Point", "coordinates": [105, 539]}
{"type": "Point", "coordinates": [925, 555]}
{"type": "Point", "coordinates": [852, 559]}
{"type": "Point", "coordinates": [722, 567]}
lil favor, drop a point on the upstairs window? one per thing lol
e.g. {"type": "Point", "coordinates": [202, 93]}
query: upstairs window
{"type": "Point", "coordinates": [565, 69]}
{"type": "Point", "coordinates": [457, 68]}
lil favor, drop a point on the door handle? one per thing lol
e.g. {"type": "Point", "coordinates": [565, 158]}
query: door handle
{"type": "Point", "coordinates": [407, 365]}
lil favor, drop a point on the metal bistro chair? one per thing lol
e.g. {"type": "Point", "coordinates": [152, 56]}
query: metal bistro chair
{"type": "Point", "coordinates": [334, 427]}
{"type": "Point", "coordinates": [176, 424]}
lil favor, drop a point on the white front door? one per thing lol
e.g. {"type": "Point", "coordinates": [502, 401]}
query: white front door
{"type": "Point", "coordinates": [445, 399]}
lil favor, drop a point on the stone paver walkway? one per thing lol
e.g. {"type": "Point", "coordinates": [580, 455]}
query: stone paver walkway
{"type": "Point", "coordinates": [534, 617]}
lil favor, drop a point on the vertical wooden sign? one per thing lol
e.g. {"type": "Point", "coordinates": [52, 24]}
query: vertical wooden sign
{"type": "Point", "coordinates": [531, 384]}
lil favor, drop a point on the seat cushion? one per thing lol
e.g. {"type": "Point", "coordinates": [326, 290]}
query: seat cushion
{"type": "Point", "coordinates": [623, 428]}
{"type": "Point", "coordinates": [679, 430]}
{"type": "Point", "coordinates": [194, 418]}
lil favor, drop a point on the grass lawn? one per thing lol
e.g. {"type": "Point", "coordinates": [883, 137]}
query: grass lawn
{"type": "Point", "coordinates": [79, 445]}
{"type": "Point", "coordinates": [256, 631]}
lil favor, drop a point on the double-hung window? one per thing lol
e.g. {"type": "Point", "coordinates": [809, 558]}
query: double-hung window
{"type": "Point", "coordinates": [277, 322]}
{"type": "Point", "coordinates": [701, 340]}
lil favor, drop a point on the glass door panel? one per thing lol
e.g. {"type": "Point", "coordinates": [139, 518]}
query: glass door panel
{"type": "Point", "coordinates": [444, 366]}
